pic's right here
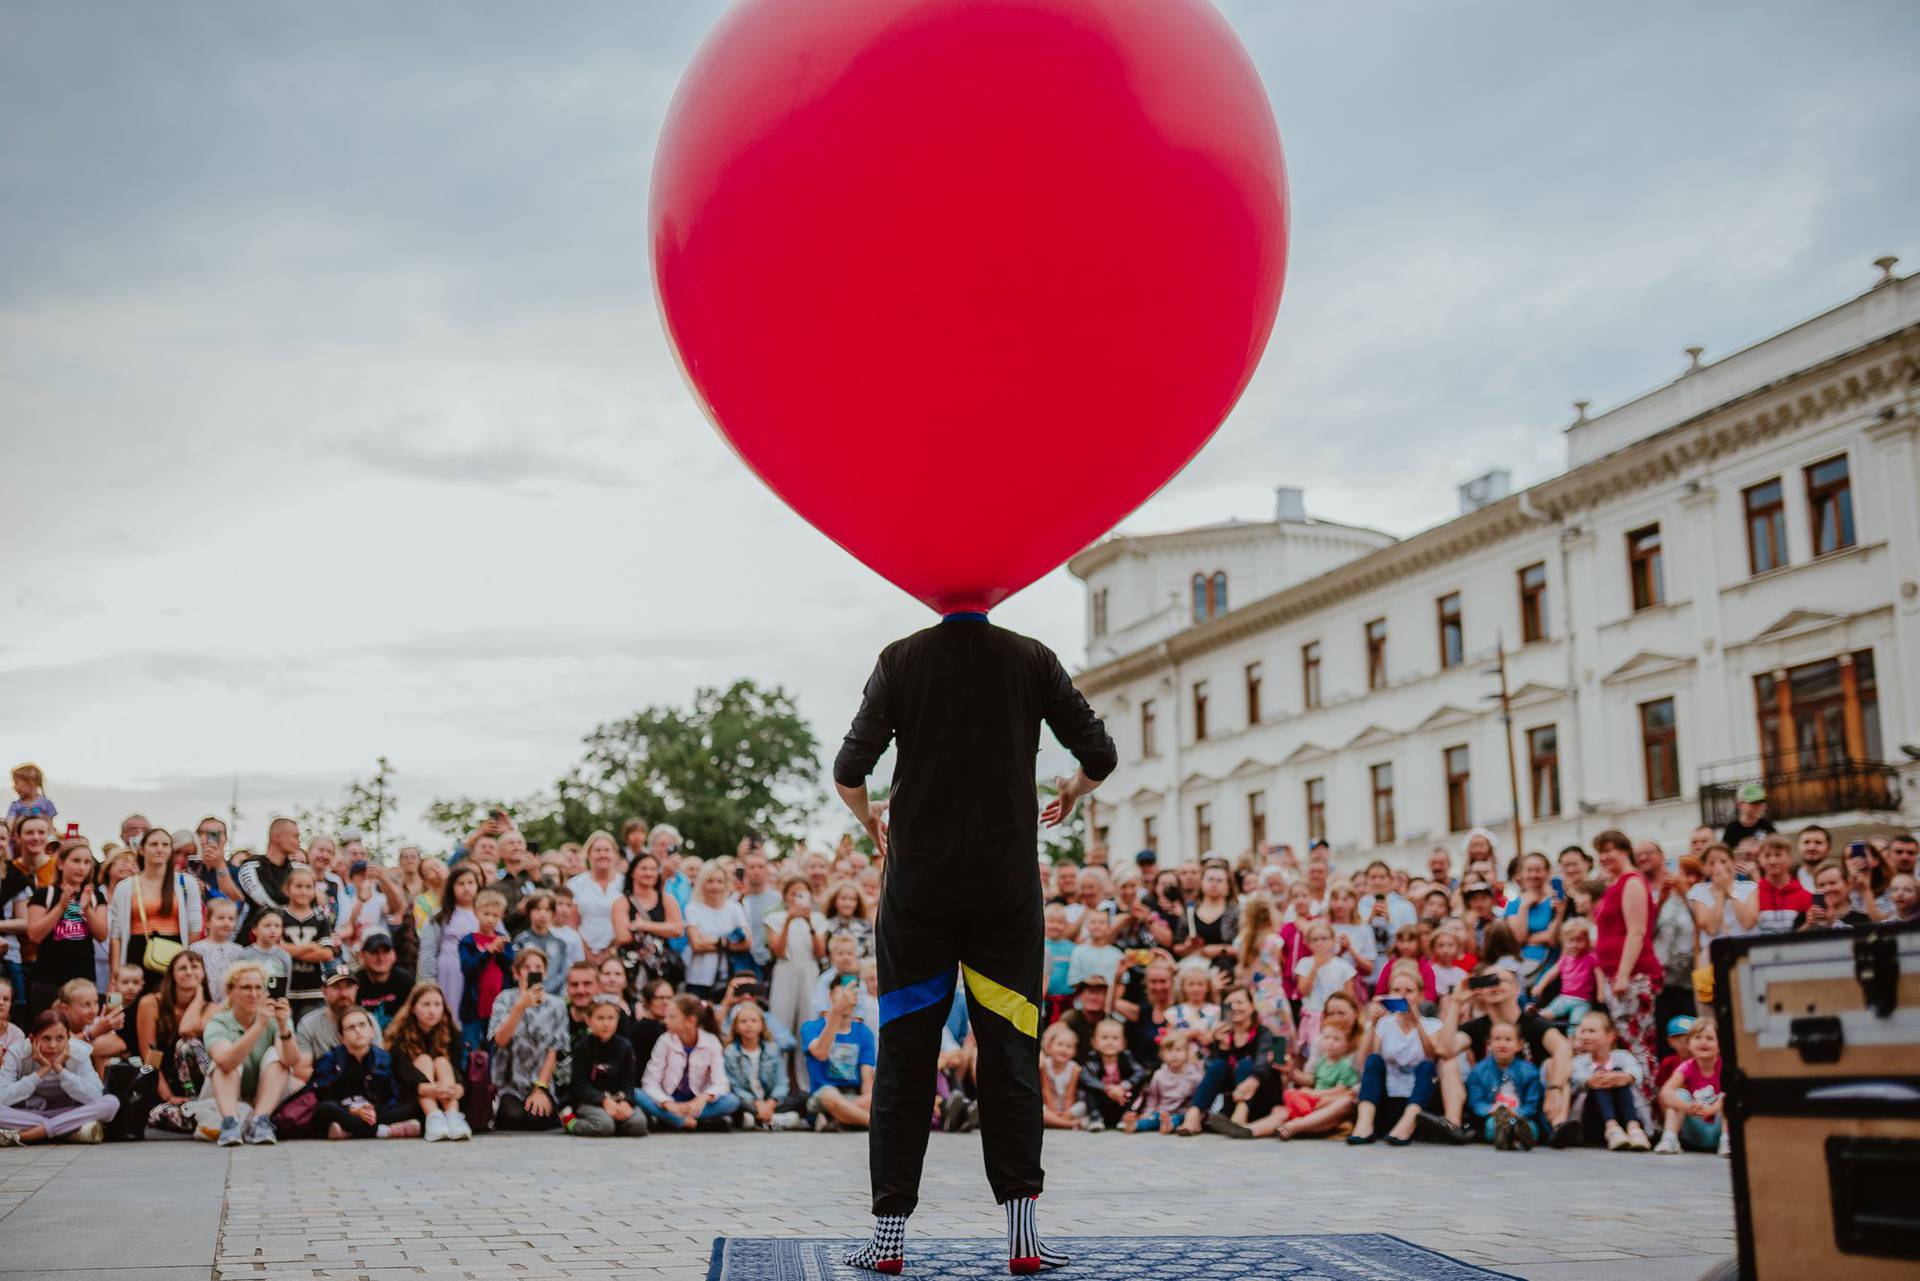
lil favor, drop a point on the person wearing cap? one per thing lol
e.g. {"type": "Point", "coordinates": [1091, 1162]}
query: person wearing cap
{"type": "Point", "coordinates": [319, 1030]}
{"type": "Point", "coordinates": [1091, 1003]}
{"type": "Point", "coordinates": [383, 984]}
{"type": "Point", "coordinates": [1750, 816]}
{"type": "Point", "coordinates": [1479, 900]}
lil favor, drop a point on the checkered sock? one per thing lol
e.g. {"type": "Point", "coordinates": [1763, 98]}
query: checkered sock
{"type": "Point", "coordinates": [1025, 1251]}
{"type": "Point", "coordinates": [887, 1251]}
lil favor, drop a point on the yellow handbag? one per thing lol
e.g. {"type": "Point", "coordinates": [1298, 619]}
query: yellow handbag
{"type": "Point", "coordinates": [160, 950]}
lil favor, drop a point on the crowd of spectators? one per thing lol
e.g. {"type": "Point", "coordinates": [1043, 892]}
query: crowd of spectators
{"type": "Point", "coordinates": [624, 985]}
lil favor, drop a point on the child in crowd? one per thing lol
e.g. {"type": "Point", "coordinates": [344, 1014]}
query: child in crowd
{"type": "Point", "coordinates": [599, 1101]}
{"type": "Point", "coordinates": [1611, 1078]}
{"type": "Point", "coordinates": [757, 1071]}
{"type": "Point", "coordinates": [1170, 1091]}
{"type": "Point", "coordinates": [309, 940]}
{"type": "Point", "coordinates": [1407, 946]}
{"type": "Point", "coordinates": [1059, 993]}
{"type": "Point", "coordinates": [486, 967]}
{"type": "Point", "coordinates": [1782, 900]}
{"type": "Point", "coordinates": [540, 935]}
{"type": "Point", "coordinates": [1678, 1027]}
{"type": "Point", "coordinates": [1576, 969]}
{"type": "Point", "coordinates": [30, 794]}
{"type": "Point", "coordinates": [1504, 1092]}
{"type": "Point", "coordinates": [218, 950]}
{"type": "Point", "coordinates": [1320, 973]}
{"type": "Point", "coordinates": [10, 1033]}
{"type": "Point", "coordinates": [1197, 1011]}
{"type": "Point", "coordinates": [1448, 973]}
{"type": "Point", "coordinates": [268, 951]}
{"type": "Point", "coordinates": [1695, 1107]}
{"type": "Point", "coordinates": [357, 1095]}
{"type": "Point", "coordinates": [1061, 1107]}
{"type": "Point", "coordinates": [1263, 958]}
{"type": "Point", "coordinates": [566, 928]}
{"type": "Point", "coordinates": [1109, 1075]}
{"type": "Point", "coordinates": [1097, 955]}
{"type": "Point", "coordinates": [420, 1040]}
{"type": "Point", "coordinates": [1329, 1080]}
{"type": "Point", "coordinates": [49, 1088]}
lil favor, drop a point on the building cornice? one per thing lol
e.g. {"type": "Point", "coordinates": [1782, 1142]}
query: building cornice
{"type": "Point", "coordinates": [1797, 400]}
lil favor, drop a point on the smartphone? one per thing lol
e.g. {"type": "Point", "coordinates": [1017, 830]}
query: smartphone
{"type": "Point", "coordinates": [1481, 982]}
{"type": "Point", "coordinates": [113, 1000]}
{"type": "Point", "coordinates": [737, 935]}
{"type": "Point", "coordinates": [528, 982]}
{"type": "Point", "coordinates": [277, 987]}
{"type": "Point", "coordinates": [1857, 852]}
{"type": "Point", "coordinates": [1394, 1004]}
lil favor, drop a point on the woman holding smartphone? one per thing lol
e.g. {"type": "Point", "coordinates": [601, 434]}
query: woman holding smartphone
{"type": "Point", "coordinates": [1400, 1056]}
{"type": "Point", "coordinates": [716, 929]}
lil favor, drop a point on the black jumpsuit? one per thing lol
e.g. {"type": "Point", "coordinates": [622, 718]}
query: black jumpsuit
{"type": "Point", "coordinates": [961, 899]}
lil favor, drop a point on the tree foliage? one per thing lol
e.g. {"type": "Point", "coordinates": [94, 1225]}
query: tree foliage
{"type": "Point", "coordinates": [739, 759]}
{"type": "Point", "coordinates": [365, 808]}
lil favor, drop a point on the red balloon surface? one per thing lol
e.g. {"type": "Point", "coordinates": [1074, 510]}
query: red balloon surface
{"type": "Point", "coordinates": [966, 281]}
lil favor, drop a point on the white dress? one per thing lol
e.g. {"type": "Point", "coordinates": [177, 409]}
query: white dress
{"type": "Point", "coordinates": [790, 996]}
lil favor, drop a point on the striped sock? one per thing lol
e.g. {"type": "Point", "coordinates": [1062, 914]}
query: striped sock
{"type": "Point", "coordinates": [886, 1252]}
{"type": "Point", "coordinates": [1025, 1251]}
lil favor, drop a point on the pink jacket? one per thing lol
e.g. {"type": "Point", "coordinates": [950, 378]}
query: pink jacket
{"type": "Point", "coordinates": [668, 1065]}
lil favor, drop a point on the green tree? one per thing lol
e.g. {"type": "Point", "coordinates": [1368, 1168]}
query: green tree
{"type": "Point", "coordinates": [1067, 842]}
{"type": "Point", "coordinates": [739, 758]}
{"type": "Point", "coordinates": [365, 807]}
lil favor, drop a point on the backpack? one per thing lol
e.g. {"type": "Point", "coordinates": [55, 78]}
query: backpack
{"type": "Point", "coordinates": [477, 1103]}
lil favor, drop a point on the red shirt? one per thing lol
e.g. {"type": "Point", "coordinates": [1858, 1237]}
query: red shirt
{"type": "Point", "coordinates": [1611, 923]}
{"type": "Point", "coordinates": [1781, 906]}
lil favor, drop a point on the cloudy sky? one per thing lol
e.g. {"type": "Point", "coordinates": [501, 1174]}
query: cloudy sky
{"type": "Point", "coordinates": [336, 419]}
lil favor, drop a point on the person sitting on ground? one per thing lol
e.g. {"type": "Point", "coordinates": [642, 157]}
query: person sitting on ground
{"type": "Point", "coordinates": [685, 1085]}
{"type": "Point", "coordinates": [757, 1071]}
{"type": "Point", "coordinates": [1061, 1107]}
{"type": "Point", "coordinates": [1543, 1045]}
{"type": "Point", "coordinates": [105, 1033]}
{"type": "Point", "coordinates": [357, 1096]}
{"type": "Point", "coordinates": [841, 1053]}
{"type": "Point", "coordinates": [1400, 1054]}
{"type": "Point", "coordinates": [219, 949]}
{"type": "Point", "coordinates": [1110, 1079]}
{"type": "Point", "coordinates": [254, 1056]}
{"type": "Point", "coordinates": [1504, 1092]}
{"type": "Point", "coordinates": [1169, 1092]}
{"type": "Point", "coordinates": [420, 1039]}
{"type": "Point", "coordinates": [1247, 1063]}
{"type": "Point", "coordinates": [1577, 969]}
{"type": "Point", "coordinates": [168, 1024]}
{"type": "Point", "coordinates": [1197, 1013]}
{"type": "Point", "coordinates": [1610, 1077]}
{"type": "Point", "coordinates": [1323, 1093]}
{"type": "Point", "coordinates": [318, 1031]}
{"type": "Point", "coordinates": [599, 1093]}
{"type": "Point", "coordinates": [49, 1090]}
{"type": "Point", "coordinates": [529, 1036]}
{"type": "Point", "coordinates": [1694, 1102]}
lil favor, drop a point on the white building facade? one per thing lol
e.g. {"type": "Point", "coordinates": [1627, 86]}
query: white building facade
{"type": "Point", "coordinates": [1722, 588]}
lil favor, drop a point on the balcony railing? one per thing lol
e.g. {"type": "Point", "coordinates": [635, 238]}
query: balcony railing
{"type": "Point", "coordinates": [1812, 792]}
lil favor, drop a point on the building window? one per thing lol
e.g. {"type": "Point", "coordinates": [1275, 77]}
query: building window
{"type": "Point", "coordinates": [1533, 603]}
{"type": "Point", "coordinates": [1830, 503]}
{"type": "Point", "coordinates": [1377, 654]}
{"type": "Point", "coordinates": [1100, 832]}
{"type": "Point", "coordinates": [1660, 749]}
{"type": "Point", "coordinates": [1453, 646]}
{"type": "Point", "coordinates": [1821, 714]}
{"type": "Point", "coordinates": [1150, 833]}
{"type": "Point", "coordinates": [1644, 574]}
{"type": "Point", "coordinates": [1100, 613]}
{"type": "Point", "coordinates": [1209, 596]}
{"type": "Point", "coordinates": [1147, 746]}
{"type": "Point", "coordinates": [1382, 804]}
{"type": "Point", "coordinates": [1766, 526]}
{"type": "Point", "coordinates": [1310, 674]}
{"type": "Point", "coordinates": [1543, 766]}
{"type": "Point", "coordinates": [1199, 710]}
{"type": "Point", "coordinates": [1316, 809]}
{"type": "Point", "coordinates": [1256, 820]}
{"type": "Point", "coordinates": [1203, 829]}
{"type": "Point", "coordinates": [1254, 676]}
{"type": "Point", "coordinates": [1458, 775]}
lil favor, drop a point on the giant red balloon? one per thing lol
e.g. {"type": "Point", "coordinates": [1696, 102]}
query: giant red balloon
{"type": "Point", "coordinates": [966, 281]}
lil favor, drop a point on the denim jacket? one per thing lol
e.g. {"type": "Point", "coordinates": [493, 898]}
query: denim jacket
{"type": "Point", "coordinates": [774, 1083]}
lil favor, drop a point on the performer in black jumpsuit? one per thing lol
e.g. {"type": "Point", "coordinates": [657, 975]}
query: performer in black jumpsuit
{"type": "Point", "coordinates": [961, 899]}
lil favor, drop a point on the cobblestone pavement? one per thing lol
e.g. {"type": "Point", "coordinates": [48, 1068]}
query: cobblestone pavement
{"type": "Point", "coordinates": [527, 1207]}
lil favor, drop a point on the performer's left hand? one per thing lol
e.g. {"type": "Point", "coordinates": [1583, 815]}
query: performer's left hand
{"type": "Point", "coordinates": [1060, 806]}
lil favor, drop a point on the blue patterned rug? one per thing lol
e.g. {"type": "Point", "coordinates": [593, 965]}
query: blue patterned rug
{"type": "Point", "coordinates": [1364, 1256]}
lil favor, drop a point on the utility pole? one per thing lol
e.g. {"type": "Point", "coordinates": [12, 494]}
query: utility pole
{"type": "Point", "coordinates": [379, 806]}
{"type": "Point", "coordinates": [233, 811]}
{"type": "Point", "coordinates": [1513, 767]}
